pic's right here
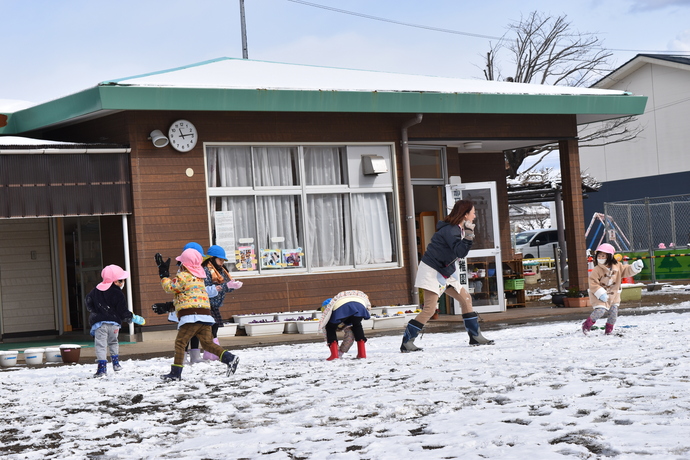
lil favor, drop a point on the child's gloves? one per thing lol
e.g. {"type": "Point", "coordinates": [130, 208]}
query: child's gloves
{"type": "Point", "coordinates": [136, 319]}
{"type": "Point", "coordinates": [469, 230]}
{"type": "Point", "coordinates": [604, 297]}
{"type": "Point", "coordinates": [638, 265]}
{"type": "Point", "coordinates": [234, 284]}
{"type": "Point", "coordinates": [163, 267]}
{"type": "Point", "coordinates": [163, 308]}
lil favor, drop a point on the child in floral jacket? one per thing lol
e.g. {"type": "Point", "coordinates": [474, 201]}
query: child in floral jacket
{"type": "Point", "coordinates": [192, 308]}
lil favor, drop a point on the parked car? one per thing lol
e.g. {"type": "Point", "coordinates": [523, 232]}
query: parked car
{"type": "Point", "coordinates": [536, 243]}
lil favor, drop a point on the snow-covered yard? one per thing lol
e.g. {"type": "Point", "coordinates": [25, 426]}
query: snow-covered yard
{"type": "Point", "coordinates": [543, 391]}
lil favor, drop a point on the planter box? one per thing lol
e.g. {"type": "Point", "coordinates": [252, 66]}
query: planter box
{"type": "Point", "coordinates": [377, 311]}
{"type": "Point", "coordinates": [390, 311]}
{"type": "Point", "coordinates": [630, 292]}
{"type": "Point", "coordinates": [390, 322]}
{"type": "Point", "coordinates": [307, 327]}
{"type": "Point", "coordinates": [228, 330]}
{"type": "Point", "coordinates": [577, 302]}
{"type": "Point", "coordinates": [293, 315]}
{"type": "Point", "coordinates": [241, 320]}
{"type": "Point", "coordinates": [367, 324]}
{"type": "Point", "coordinates": [259, 329]}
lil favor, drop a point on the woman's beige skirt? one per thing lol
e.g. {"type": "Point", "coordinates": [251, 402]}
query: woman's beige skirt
{"type": "Point", "coordinates": [431, 280]}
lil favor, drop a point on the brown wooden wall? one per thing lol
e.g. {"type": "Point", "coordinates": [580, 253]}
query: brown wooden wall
{"type": "Point", "coordinates": [170, 208]}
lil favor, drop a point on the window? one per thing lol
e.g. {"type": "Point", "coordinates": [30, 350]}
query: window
{"type": "Point", "coordinates": [301, 208]}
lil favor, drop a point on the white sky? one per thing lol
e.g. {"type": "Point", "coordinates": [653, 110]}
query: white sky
{"type": "Point", "coordinates": [52, 49]}
{"type": "Point", "coordinates": [541, 392]}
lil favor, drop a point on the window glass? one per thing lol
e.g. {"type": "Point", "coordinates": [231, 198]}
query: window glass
{"type": "Point", "coordinates": [372, 228]}
{"type": "Point", "coordinates": [229, 166]}
{"type": "Point", "coordinates": [275, 166]}
{"type": "Point", "coordinates": [279, 236]}
{"type": "Point", "coordinates": [324, 166]}
{"type": "Point", "coordinates": [426, 163]}
{"type": "Point", "coordinates": [330, 242]}
{"type": "Point", "coordinates": [234, 228]}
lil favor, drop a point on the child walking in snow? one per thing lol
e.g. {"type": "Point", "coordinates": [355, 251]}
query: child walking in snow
{"type": "Point", "coordinates": [605, 286]}
{"type": "Point", "coordinates": [192, 309]}
{"type": "Point", "coordinates": [108, 308]}
{"type": "Point", "coordinates": [348, 308]}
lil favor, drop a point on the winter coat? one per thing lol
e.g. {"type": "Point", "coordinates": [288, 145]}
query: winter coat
{"type": "Point", "coordinates": [604, 279]}
{"type": "Point", "coordinates": [190, 294]}
{"type": "Point", "coordinates": [343, 298]}
{"type": "Point", "coordinates": [108, 305]}
{"type": "Point", "coordinates": [216, 278]}
{"type": "Point", "coordinates": [446, 246]}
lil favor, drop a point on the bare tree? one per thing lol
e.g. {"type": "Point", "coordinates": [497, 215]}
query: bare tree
{"type": "Point", "coordinates": [547, 51]}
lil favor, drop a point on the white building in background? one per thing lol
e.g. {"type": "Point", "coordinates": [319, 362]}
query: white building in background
{"type": "Point", "coordinates": [657, 162]}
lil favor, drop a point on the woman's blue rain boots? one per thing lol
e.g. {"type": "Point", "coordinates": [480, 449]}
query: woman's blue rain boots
{"type": "Point", "coordinates": [413, 329]}
{"type": "Point", "coordinates": [472, 326]}
{"type": "Point", "coordinates": [175, 373]}
{"type": "Point", "coordinates": [102, 370]}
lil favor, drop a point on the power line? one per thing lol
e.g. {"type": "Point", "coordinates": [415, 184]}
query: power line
{"type": "Point", "coordinates": [451, 31]}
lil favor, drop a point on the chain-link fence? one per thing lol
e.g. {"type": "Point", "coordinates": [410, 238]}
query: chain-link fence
{"type": "Point", "coordinates": [648, 223]}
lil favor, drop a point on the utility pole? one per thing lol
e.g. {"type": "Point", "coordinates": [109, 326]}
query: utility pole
{"type": "Point", "coordinates": [245, 55]}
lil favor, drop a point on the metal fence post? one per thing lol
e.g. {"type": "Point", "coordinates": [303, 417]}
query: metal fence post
{"type": "Point", "coordinates": [651, 241]}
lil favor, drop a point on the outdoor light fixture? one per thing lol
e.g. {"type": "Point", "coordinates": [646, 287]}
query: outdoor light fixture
{"type": "Point", "coordinates": [158, 139]}
{"type": "Point", "coordinates": [472, 145]}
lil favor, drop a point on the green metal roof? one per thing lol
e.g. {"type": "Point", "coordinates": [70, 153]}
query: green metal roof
{"type": "Point", "coordinates": [186, 89]}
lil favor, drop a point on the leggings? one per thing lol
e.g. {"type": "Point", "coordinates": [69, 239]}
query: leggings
{"type": "Point", "coordinates": [356, 321]}
{"type": "Point", "coordinates": [431, 303]}
{"type": "Point", "coordinates": [612, 314]}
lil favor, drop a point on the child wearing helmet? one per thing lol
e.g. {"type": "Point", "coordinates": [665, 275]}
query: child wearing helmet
{"type": "Point", "coordinates": [605, 286]}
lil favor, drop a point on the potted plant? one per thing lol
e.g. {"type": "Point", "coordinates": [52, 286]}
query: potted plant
{"type": "Point", "coordinates": [576, 298]}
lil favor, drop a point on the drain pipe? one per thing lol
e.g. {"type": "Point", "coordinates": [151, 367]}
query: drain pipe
{"type": "Point", "coordinates": [409, 207]}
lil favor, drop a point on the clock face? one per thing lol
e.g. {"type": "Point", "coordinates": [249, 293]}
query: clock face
{"type": "Point", "coordinates": [182, 135]}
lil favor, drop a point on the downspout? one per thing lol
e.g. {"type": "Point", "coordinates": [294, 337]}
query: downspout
{"type": "Point", "coordinates": [409, 206]}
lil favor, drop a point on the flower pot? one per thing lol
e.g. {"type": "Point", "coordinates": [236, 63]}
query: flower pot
{"type": "Point", "coordinates": [577, 302]}
{"type": "Point", "coordinates": [367, 324]}
{"type": "Point", "coordinates": [70, 353]}
{"type": "Point", "coordinates": [8, 358]}
{"type": "Point", "coordinates": [259, 329]}
{"type": "Point", "coordinates": [307, 327]}
{"type": "Point", "coordinates": [34, 356]}
{"type": "Point", "coordinates": [53, 355]}
{"type": "Point", "coordinates": [290, 327]}
{"type": "Point", "coordinates": [293, 315]}
{"type": "Point", "coordinates": [390, 322]}
{"type": "Point", "coordinates": [558, 299]}
{"type": "Point", "coordinates": [631, 292]}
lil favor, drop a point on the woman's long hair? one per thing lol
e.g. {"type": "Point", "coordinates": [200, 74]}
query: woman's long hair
{"type": "Point", "coordinates": [460, 210]}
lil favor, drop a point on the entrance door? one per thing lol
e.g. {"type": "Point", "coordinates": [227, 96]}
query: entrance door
{"type": "Point", "coordinates": [84, 265]}
{"type": "Point", "coordinates": [481, 271]}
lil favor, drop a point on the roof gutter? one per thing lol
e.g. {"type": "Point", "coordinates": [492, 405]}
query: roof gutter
{"type": "Point", "coordinates": [409, 206]}
{"type": "Point", "coordinates": [54, 151]}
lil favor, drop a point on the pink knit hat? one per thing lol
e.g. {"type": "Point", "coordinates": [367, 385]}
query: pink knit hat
{"type": "Point", "coordinates": [109, 274]}
{"type": "Point", "coordinates": [191, 259]}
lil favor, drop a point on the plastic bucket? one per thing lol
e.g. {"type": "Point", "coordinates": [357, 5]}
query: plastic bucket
{"type": "Point", "coordinates": [34, 356]}
{"type": "Point", "coordinates": [70, 353]}
{"type": "Point", "coordinates": [8, 358]}
{"type": "Point", "coordinates": [53, 355]}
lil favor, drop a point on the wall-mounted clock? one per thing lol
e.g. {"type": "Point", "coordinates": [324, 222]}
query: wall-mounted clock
{"type": "Point", "coordinates": [183, 135]}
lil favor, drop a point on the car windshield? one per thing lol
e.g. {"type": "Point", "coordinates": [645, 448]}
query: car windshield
{"type": "Point", "coordinates": [523, 238]}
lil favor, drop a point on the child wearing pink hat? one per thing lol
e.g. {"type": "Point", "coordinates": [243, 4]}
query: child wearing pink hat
{"type": "Point", "coordinates": [605, 286]}
{"type": "Point", "coordinates": [192, 308]}
{"type": "Point", "coordinates": [108, 308]}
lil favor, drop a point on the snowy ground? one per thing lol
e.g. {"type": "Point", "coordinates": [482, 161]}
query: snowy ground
{"type": "Point", "coordinates": [542, 392]}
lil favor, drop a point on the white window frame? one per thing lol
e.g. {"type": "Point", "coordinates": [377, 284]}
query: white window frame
{"type": "Point", "coordinates": [304, 190]}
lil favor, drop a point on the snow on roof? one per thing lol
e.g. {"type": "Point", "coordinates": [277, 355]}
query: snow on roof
{"type": "Point", "coordinates": [247, 74]}
{"type": "Point", "coordinates": [6, 141]}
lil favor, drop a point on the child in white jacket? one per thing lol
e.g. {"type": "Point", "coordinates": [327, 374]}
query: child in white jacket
{"type": "Point", "coordinates": [605, 287]}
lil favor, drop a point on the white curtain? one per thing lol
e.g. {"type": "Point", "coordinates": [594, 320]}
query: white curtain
{"type": "Point", "coordinates": [330, 242]}
{"type": "Point", "coordinates": [371, 228]}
